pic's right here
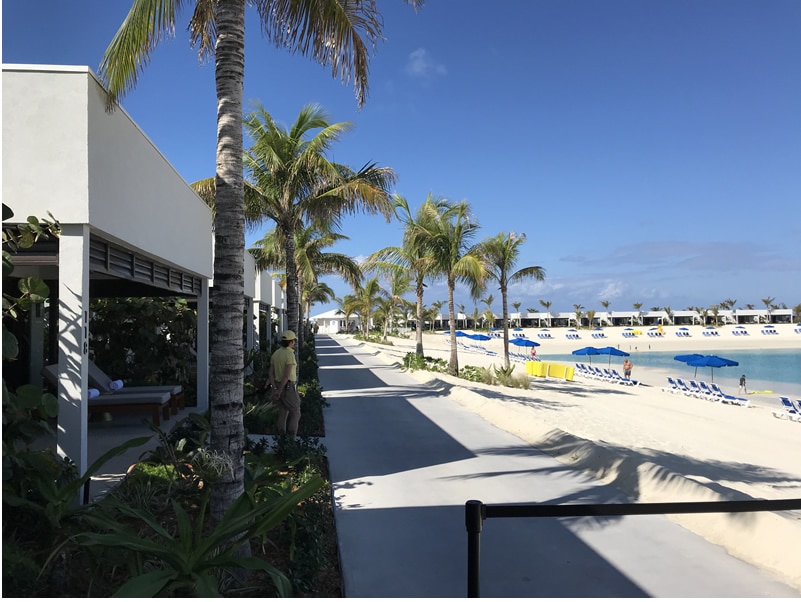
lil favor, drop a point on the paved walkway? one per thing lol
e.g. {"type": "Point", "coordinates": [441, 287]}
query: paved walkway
{"type": "Point", "coordinates": [404, 458]}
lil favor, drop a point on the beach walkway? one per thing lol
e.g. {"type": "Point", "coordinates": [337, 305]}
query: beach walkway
{"type": "Point", "coordinates": [404, 458]}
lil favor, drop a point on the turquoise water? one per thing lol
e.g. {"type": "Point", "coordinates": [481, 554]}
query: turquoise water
{"type": "Point", "coordinates": [778, 370]}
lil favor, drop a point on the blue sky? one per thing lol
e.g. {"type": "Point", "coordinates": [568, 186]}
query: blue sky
{"type": "Point", "coordinates": [650, 151]}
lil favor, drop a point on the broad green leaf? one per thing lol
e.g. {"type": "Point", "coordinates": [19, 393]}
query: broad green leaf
{"type": "Point", "coordinates": [148, 585]}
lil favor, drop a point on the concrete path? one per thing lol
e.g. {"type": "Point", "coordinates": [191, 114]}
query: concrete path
{"type": "Point", "coordinates": [404, 458]}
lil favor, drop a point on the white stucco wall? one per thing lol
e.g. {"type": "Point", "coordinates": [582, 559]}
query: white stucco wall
{"type": "Point", "coordinates": [95, 167]}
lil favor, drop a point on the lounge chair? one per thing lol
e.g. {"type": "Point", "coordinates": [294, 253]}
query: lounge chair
{"type": "Point", "coordinates": [726, 398]}
{"type": "Point", "coordinates": [103, 382]}
{"type": "Point", "coordinates": [685, 388]}
{"type": "Point", "coordinates": [790, 409]}
{"type": "Point", "coordinates": [673, 386]}
{"type": "Point", "coordinates": [157, 402]}
{"type": "Point", "coordinates": [623, 380]}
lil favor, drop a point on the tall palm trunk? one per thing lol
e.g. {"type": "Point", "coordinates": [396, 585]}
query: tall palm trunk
{"type": "Point", "coordinates": [292, 296]}
{"type": "Point", "coordinates": [419, 323]}
{"type": "Point", "coordinates": [226, 374]}
{"type": "Point", "coordinates": [453, 366]}
{"type": "Point", "coordinates": [505, 313]}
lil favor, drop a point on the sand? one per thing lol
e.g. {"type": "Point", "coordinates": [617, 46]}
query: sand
{"type": "Point", "coordinates": [654, 445]}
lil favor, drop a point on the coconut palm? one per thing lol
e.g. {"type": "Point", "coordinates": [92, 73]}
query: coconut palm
{"type": "Point", "coordinates": [768, 301]}
{"type": "Point", "coordinates": [637, 308]}
{"type": "Point", "coordinates": [605, 305]}
{"type": "Point", "coordinates": [447, 236]}
{"type": "Point", "coordinates": [577, 308]}
{"type": "Point", "coordinates": [500, 255]}
{"type": "Point", "coordinates": [516, 305]}
{"type": "Point", "coordinates": [410, 257]}
{"type": "Point", "coordinates": [547, 306]}
{"type": "Point", "coordinates": [298, 186]}
{"type": "Point", "coordinates": [334, 33]}
{"type": "Point", "coordinates": [311, 261]}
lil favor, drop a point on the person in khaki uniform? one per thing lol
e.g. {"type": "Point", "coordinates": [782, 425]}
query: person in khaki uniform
{"type": "Point", "coordinates": [284, 383]}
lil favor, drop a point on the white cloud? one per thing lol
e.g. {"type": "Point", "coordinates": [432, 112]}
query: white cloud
{"type": "Point", "coordinates": [421, 64]}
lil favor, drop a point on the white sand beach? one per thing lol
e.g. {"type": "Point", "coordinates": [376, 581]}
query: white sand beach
{"type": "Point", "coordinates": [652, 444]}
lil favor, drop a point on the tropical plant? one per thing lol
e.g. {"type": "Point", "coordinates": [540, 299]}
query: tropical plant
{"type": "Point", "coordinates": [311, 261]}
{"type": "Point", "coordinates": [577, 309]}
{"type": "Point", "coordinates": [447, 235]}
{"type": "Point", "coordinates": [333, 33]}
{"type": "Point", "coordinates": [637, 308]}
{"type": "Point", "coordinates": [193, 559]}
{"type": "Point", "coordinates": [408, 257]}
{"type": "Point", "coordinates": [500, 254]}
{"type": "Point", "coordinates": [547, 306]}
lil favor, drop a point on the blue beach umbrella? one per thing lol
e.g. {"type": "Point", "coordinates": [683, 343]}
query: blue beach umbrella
{"type": "Point", "coordinates": [610, 351]}
{"type": "Point", "coordinates": [478, 337]}
{"type": "Point", "coordinates": [590, 351]}
{"type": "Point", "coordinates": [524, 342]}
{"type": "Point", "coordinates": [708, 361]}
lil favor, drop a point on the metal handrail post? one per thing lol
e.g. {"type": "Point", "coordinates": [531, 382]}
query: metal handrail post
{"type": "Point", "coordinates": [474, 518]}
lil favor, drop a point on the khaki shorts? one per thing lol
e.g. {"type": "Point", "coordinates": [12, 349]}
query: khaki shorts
{"type": "Point", "coordinates": [290, 398]}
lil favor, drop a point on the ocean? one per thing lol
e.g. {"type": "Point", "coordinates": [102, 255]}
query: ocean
{"type": "Point", "coordinates": [777, 370]}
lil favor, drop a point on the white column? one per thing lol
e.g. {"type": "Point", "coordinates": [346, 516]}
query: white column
{"type": "Point", "coordinates": [73, 344]}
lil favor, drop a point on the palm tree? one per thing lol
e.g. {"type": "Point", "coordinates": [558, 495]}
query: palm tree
{"type": "Point", "coordinates": [547, 306]}
{"type": "Point", "coordinates": [311, 261]}
{"type": "Point", "coordinates": [447, 237]}
{"type": "Point", "coordinates": [476, 315]}
{"type": "Point", "coordinates": [516, 305]}
{"type": "Point", "coordinates": [489, 316]}
{"type": "Point", "coordinates": [296, 185]}
{"type": "Point", "coordinates": [328, 31]}
{"type": "Point", "coordinates": [577, 308]}
{"type": "Point", "coordinates": [460, 307]}
{"type": "Point", "coordinates": [316, 292]}
{"type": "Point", "coordinates": [637, 308]}
{"type": "Point", "coordinates": [768, 301]}
{"type": "Point", "coordinates": [605, 305]}
{"type": "Point", "coordinates": [410, 257]}
{"type": "Point", "coordinates": [500, 255]}
{"type": "Point", "coordinates": [367, 297]}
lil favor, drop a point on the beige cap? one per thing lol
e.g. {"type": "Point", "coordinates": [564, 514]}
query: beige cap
{"type": "Point", "coordinates": [288, 336]}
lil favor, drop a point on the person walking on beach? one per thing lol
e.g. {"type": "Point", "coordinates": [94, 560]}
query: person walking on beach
{"type": "Point", "coordinates": [627, 366]}
{"type": "Point", "coordinates": [284, 382]}
{"type": "Point", "coordinates": [742, 388]}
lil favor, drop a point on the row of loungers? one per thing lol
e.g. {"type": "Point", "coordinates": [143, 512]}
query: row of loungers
{"type": "Point", "coordinates": [702, 390]}
{"type": "Point", "coordinates": [114, 397]}
{"type": "Point", "coordinates": [605, 375]}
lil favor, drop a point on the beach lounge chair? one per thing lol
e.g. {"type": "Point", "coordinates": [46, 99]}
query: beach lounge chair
{"type": "Point", "coordinates": [698, 391]}
{"type": "Point", "coordinates": [726, 398]}
{"type": "Point", "coordinates": [623, 380]}
{"type": "Point", "coordinates": [788, 410]}
{"type": "Point", "coordinates": [156, 402]}
{"type": "Point", "coordinates": [108, 386]}
{"type": "Point", "coordinates": [673, 386]}
{"type": "Point", "coordinates": [685, 388]}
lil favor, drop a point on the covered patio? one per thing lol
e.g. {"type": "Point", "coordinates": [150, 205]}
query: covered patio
{"type": "Point", "coordinates": [131, 226]}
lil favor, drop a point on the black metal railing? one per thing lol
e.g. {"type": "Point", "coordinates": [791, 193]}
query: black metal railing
{"type": "Point", "coordinates": [477, 512]}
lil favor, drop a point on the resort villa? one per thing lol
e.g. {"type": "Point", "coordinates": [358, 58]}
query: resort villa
{"type": "Point", "coordinates": [131, 227]}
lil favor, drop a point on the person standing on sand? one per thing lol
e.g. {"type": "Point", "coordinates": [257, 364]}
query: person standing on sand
{"type": "Point", "coordinates": [742, 388]}
{"type": "Point", "coordinates": [627, 366]}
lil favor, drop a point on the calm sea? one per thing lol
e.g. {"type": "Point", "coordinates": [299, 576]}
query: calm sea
{"type": "Point", "coordinates": [778, 370]}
